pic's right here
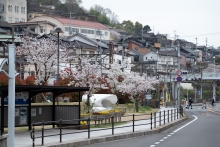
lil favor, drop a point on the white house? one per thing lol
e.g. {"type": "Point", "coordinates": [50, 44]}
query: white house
{"type": "Point", "coordinates": [91, 29]}
{"type": "Point", "coordinates": [161, 60]}
{"type": "Point", "coordinates": [13, 10]}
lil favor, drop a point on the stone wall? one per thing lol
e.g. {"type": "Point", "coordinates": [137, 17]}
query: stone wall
{"type": "Point", "coordinates": [3, 141]}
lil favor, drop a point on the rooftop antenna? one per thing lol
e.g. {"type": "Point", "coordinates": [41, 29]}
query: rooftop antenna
{"type": "Point", "coordinates": [142, 33]}
{"type": "Point", "coordinates": [70, 28]}
{"type": "Point", "coordinates": [174, 34]}
{"type": "Point", "coordinates": [206, 48]}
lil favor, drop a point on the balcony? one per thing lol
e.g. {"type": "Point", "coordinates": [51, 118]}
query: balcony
{"type": "Point", "coordinates": [157, 45]}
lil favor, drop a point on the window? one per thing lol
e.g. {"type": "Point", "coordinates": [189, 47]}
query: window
{"type": "Point", "coordinates": [16, 19]}
{"type": "Point", "coordinates": [42, 30]}
{"type": "Point", "coordinates": [84, 53]}
{"type": "Point", "coordinates": [9, 19]}
{"type": "Point", "coordinates": [16, 9]}
{"type": "Point", "coordinates": [84, 31]}
{"type": "Point", "coordinates": [9, 8]}
{"type": "Point", "coordinates": [32, 29]}
{"type": "Point", "coordinates": [75, 30]}
{"type": "Point", "coordinates": [106, 33]}
{"type": "Point", "coordinates": [98, 32]}
{"type": "Point", "coordinates": [22, 20]}
{"type": "Point", "coordinates": [22, 10]}
{"type": "Point", "coordinates": [3, 7]}
{"type": "Point", "coordinates": [90, 31]}
{"type": "Point", "coordinates": [145, 58]}
{"type": "Point", "coordinates": [66, 29]}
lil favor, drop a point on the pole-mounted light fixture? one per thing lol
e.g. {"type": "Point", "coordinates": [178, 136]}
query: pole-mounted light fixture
{"type": "Point", "coordinates": [58, 30]}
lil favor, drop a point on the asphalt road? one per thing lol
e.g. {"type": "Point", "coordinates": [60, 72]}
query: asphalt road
{"type": "Point", "coordinates": [202, 129]}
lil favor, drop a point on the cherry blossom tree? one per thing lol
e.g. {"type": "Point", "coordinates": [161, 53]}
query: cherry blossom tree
{"type": "Point", "coordinates": [136, 85]}
{"type": "Point", "coordinates": [42, 53]}
{"type": "Point", "coordinates": [115, 76]}
{"type": "Point", "coordinates": [114, 34]}
{"type": "Point", "coordinates": [212, 68]}
{"type": "Point", "coordinates": [85, 75]}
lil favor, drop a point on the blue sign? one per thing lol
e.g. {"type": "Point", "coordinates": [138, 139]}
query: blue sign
{"type": "Point", "coordinates": [199, 92]}
{"type": "Point", "coordinates": [179, 79]}
{"type": "Point", "coordinates": [20, 99]}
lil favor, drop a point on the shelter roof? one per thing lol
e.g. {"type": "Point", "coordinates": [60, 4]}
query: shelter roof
{"type": "Point", "coordinates": [41, 89]}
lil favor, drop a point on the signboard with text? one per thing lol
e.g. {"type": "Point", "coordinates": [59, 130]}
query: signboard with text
{"type": "Point", "coordinates": [20, 99]}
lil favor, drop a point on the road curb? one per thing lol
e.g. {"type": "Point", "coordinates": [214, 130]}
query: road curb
{"type": "Point", "coordinates": [119, 136]}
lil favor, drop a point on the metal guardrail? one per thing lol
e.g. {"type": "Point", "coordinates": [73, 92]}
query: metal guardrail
{"type": "Point", "coordinates": [156, 117]}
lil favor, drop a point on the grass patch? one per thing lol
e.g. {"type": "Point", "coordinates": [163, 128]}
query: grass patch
{"type": "Point", "coordinates": [108, 125]}
{"type": "Point", "coordinates": [20, 129]}
{"type": "Point", "coordinates": [144, 108]}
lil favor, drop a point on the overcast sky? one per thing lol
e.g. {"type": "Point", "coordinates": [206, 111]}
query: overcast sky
{"type": "Point", "coordinates": [189, 18]}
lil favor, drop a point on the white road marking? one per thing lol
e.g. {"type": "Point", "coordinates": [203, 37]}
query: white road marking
{"type": "Point", "coordinates": [195, 118]}
{"type": "Point", "coordinates": [186, 124]}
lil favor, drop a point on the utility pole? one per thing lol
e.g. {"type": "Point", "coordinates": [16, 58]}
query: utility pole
{"type": "Point", "coordinates": [206, 49]}
{"type": "Point", "coordinates": [157, 75]}
{"type": "Point", "coordinates": [201, 79]}
{"type": "Point", "coordinates": [100, 52]}
{"type": "Point", "coordinates": [70, 28]}
{"type": "Point", "coordinates": [142, 33]}
{"type": "Point", "coordinates": [178, 83]}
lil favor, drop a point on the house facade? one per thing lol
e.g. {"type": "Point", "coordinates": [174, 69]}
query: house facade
{"type": "Point", "coordinates": [161, 61]}
{"type": "Point", "coordinates": [13, 10]}
{"type": "Point", "coordinates": [38, 27]}
{"type": "Point", "coordinates": [91, 29]}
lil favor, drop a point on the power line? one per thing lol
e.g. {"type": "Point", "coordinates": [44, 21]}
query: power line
{"type": "Point", "coordinates": [199, 35]}
{"type": "Point", "coordinates": [202, 35]}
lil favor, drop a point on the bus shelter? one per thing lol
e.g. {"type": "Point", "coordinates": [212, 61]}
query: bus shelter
{"type": "Point", "coordinates": [33, 91]}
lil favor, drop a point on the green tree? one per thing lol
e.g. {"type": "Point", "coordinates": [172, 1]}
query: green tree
{"type": "Point", "coordinates": [62, 8]}
{"type": "Point", "coordinates": [217, 60]}
{"type": "Point", "coordinates": [49, 2]}
{"type": "Point", "coordinates": [147, 28]}
{"type": "Point", "coordinates": [74, 6]}
{"type": "Point", "coordinates": [78, 2]}
{"type": "Point", "coordinates": [128, 26]}
{"type": "Point", "coordinates": [100, 14]}
{"type": "Point", "coordinates": [138, 28]}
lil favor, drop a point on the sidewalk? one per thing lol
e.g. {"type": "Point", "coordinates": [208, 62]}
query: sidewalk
{"type": "Point", "coordinates": [22, 139]}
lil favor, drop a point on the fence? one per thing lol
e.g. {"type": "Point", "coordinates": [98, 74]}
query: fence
{"type": "Point", "coordinates": [154, 119]}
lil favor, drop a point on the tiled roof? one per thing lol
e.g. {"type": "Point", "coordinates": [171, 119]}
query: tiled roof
{"type": "Point", "coordinates": [76, 22]}
{"type": "Point", "coordinates": [34, 22]}
{"type": "Point", "coordinates": [93, 41]}
{"type": "Point", "coordinates": [168, 53]}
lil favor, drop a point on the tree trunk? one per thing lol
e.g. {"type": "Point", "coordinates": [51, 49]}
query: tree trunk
{"type": "Point", "coordinates": [136, 105]}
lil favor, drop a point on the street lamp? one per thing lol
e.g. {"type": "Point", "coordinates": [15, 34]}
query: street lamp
{"type": "Point", "coordinates": [99, 32]}
{"type": "Point", "coordinates": [214, 64]}
{"type": "Point", "coordinates": [58, 31]}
